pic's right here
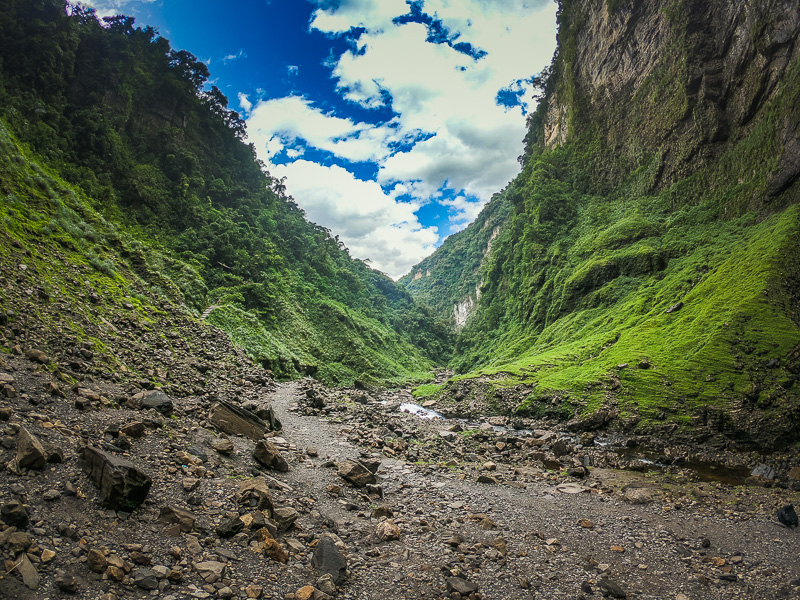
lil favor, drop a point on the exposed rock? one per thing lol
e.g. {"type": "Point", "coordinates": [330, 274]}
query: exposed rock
{"type": "Point", "coordinates": [255, 493]}
{"type": "Point", "coordinates": [273, 549]}
{"type": "Point", "coordinates": [14, 513]}
{"type": "Point", "coordinates": [356, 473]}
{"type": "Point", "coordinates": [267, 454]}
{"type": "Point", "coordinates": [639, 495]}
{"type": "Point", "coordinates": [223, 446]}
{"type": "Point", "coordinates": [66, 582]}
{"type": "Point", "coordinates": [387, 531]}
{"type": "Point", "coordinates": [120, 482]}
{"type": "Point", "coordinates": [210, 570]}
{"type": "Point", "coordinates": [787, 516]}
{"type": "Point", "coordinates": [309, 592]}
{"type": "Point", "coordinates": [764, 471]}
{"type": "Point", "coordinates": [285, 516]}
{"type": "Point", "coordinates": [30, 576]}
{"type": "Point", "coordinates": [157, 400]}
{"type": "Point", "coordinates": [329, 559]}
{"type": "Point", "coordinates": [30, 452]}
{"type": "Point", "coordinates": [612, 588]}
{"type": "Point", "coordinates": [229, 527]}
{"type": "Point", "coordinates": [461, 586]}
{"type": "Point", "coordinates": [96, 560]}
{"type": "Point", "coordinates": [235, 420]}
{"type": "Point", "coordinates": [183, 518]}
{"type": "Point", "coordinates": [145, 579]}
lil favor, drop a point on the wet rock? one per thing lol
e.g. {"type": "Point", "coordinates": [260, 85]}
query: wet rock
{"type": "Point", "coordinates": [183, 518]}
{"type": "Point", "coordinates": [267, 454]}
{"type": "Point", "coordinates": [158, 401]}
{"type": "Point", "coordinates": [328, 559]}
{"type": "Point", "coordinates": [30, 452]}
{"type": "Point", "coordinates": [235, 420]}
{"type": "Point", "coordinates": [15, 514]}
{"type": "Point", "coordinates": [120, 482]}
{"type": "Point", "coordinates": [461, 586]}
{"type": "Point", "coordinates": [356, 473]}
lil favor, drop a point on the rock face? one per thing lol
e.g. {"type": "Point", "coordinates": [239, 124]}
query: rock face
{"type": "Point", "coordinates": [120, 482]}
{"type": "Point", "coordinates": [235, 420]}
{"type": "Point", "coordinates": [267, 454]}
{"type": "Point", "coordinates": [734, 55]}
{"type": "Point", "coordinates": [329, 560]}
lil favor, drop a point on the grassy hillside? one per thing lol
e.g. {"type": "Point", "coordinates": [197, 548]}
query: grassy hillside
{"type": "Point", "coordinates": [116, 151]}
{"type": "Point", "coordinates": [665, 290]}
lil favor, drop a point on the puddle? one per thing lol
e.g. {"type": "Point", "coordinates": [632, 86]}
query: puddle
{"type": "Point", "coordinates": [705, 471]}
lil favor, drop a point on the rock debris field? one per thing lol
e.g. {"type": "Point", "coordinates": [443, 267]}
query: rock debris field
{"type": "Point", "coordinates": [254, 489]}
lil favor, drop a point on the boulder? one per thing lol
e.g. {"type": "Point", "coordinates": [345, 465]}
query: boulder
{"type": "Point", "coordinates": [229, 527]}
{"type": "Point", "coordinates": [356, 473]}
{"type": "Point", "coordinates": [328, 559]}
{"type": "Point", "coordinates": [30, 452]}
{"type": "Point", "coordinates": [235, 420]}
{"type": "Point", "coordinates": [255, 493]}
{"type": "Point", "coordinates": [157, 400]}
{"type": "Point", "coordinates": [267, 454]}
{"type": "Point", "coordinates": [120, 482]}
{"type": "Point", "coordinates": [172, 514]}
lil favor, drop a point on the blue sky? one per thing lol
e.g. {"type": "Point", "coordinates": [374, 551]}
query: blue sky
{"type": "Point", "coordinates": [393, 121]}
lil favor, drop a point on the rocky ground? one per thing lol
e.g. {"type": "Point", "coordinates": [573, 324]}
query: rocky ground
{"type": "Point", "coordinates": [141, 455]}
{"type": "Point", "coordinates": [450, 511]}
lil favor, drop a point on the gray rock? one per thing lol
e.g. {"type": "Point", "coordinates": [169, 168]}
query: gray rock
{"type": "Point", "coordinates": [326, 585]}
{"type": "Point", "coordinates": [230, 527]}
{"type": "Point", "coordinates": [267, 454]}
{"type": "Point", "coordinates": [327, 559]}
{"type": "Point", "coordinates": [172, 514]}
{"type": "Point", "coordinates": [356, 473]}
{"type": "Point", "coordinates": [285, 516]}
{"type": "Point", "coordinates": [612, 588]}
{"type": "Point", "coordinates": [157, 400]}
{"type": "Point", "coordinates": [255, 493]}
{"type": "Point", "coordinates": [66, 582]}
{"type": "Point", "coordinates": [461, 586]}
{"type": "Point", "coordinates": [30, 576]}
{"type": "Point", "coordinates": [210, 570]}
{"type": "Point", "coordinates": [145, 579]}
{"type": "Point", "coordinates": [14, 513]}
{"type": "Point", "coordinates": [30, 452]}
{"type": "Point", "coordinates": [120, 482]}
{"type": "Point", "coordinates": [764, 471]}
{"type": "Point", "coordinates": [235, 420]}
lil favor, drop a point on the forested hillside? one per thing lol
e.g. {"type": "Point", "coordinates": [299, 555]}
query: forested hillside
{"type": "Point", "coordinates": [648, 270]}
{"type": "Point", "coordinates": [119, 155]}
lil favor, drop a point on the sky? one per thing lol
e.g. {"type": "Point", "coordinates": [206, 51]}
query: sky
{"type": "Point", "coordinates": [393, 121]}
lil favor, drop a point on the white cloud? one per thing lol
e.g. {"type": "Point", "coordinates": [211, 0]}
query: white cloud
{"type": "Point", "coordinates": [372, 224]}
{"type": "Point", "coordinates": [110, 8]}
{"type": "Point", "coordinates": [245, 103]}
{"type": "Point", "coordinates": [236, 56]}
{"type": "Point", "coordinates": [375, 15]}
{"type": "Point", "coordinates": [280, 122]}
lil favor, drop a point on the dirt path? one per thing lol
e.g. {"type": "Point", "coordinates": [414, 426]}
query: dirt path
{"type": "Point", "coordinates": [529, 540]}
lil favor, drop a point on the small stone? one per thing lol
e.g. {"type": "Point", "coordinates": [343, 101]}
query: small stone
{"type": "Point", "coordinates": [326, 585]}
{"type": "Point", "coordinates": [328, 558]}
{"type": "Point", "coordinates": [145, 579]}
{"type": "Point", "coordinates": [612, 588]}
{"type": "Point", "coordinates": [586, 524]}
{"type": "Point", "coordinates": [223, 446]}
{"type": "Point", "coordinates": [267, 454]}
{"type": "Point", "coordinates": [30, 452]}
{"type": "Point", "coordinates": [230, 527]}
{"type": "Point", "coordinates": [157, 400]}
{"type": "Point", "coordinates": [274, 551]}
{"type": "Point", "coordinates": [51, 495]}
{"type": "Point", "coordinates": [210, 571]}
{"type": "Point", "coordinates": [66, 582]}
{"type": "Point", "coordinates": [387, 531]}
{"type": "Point", "coordinates": [183, 518]}
{"type": "Point", "coordinates": [96, 560]}
{"type": "Point", "coordinates": [357, 473]}
{"type": "Point", "coordinates": [14, 513]}
{"type": "Point", "coordinates": [254, 591]}
{"type": "Point", "coordinates": [30, 576]}
{"type": "Point", "coordinates": [47, 555]}
{"type": "Point", "coordinates": [461, 586]}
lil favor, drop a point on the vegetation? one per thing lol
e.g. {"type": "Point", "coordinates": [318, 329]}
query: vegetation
{"type": "Point", "coordinates": [623, 276]}
{"type": "Point", "coordinates": [126, 132]}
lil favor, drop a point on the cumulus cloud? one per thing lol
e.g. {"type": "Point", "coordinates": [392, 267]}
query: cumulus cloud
{"type": "Point", "coordinates": [339, 17]}
{"type": "Point", "coordinates": [373, 225]}
{"type": "Point", "coordinates": [109, 8]}
{"type": "Point", "coordinates": [280, 122]}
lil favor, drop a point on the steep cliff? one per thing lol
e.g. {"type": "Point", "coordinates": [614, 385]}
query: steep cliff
{"type": "Point", "coordinates": [647, 270]}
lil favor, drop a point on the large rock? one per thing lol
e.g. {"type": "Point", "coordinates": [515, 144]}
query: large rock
{"type": "Point", "coordinates": [267, 454]}
{"type": "Point", "coordinates": [235, 420]}
{"type": "Point", "coordinates": [210, 570]}
{"type": "Point", "coordinates": [30, 576]}
{"type": "Point", "coordinates": [255, 493]}
{"type": "Point", "coordinates": [461, 586]}
{"type": "Point", "coordinates": [157, 400]}
{"type": "Point", "coordinates": [30, 452]}
{"type": "Point", "coordinates": [14, 513]}
{"type": "Point", "coordinates": [173, 514]}
{"type": "Point", "coordinates": [285, 516]}
{"type": "Point", "coordinates": [120, 482]}
{"type": "Point", "coordinates": [328, 559]}
{"type": "Point", "coordinates": [356, 473]}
